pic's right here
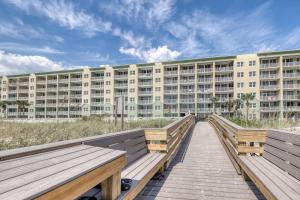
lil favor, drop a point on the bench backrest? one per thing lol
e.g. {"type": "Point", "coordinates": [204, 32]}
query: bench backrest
{"type": "Point", "coordinates": [283, 150]}
{"type": "Point", "coordinates": [134, 142]}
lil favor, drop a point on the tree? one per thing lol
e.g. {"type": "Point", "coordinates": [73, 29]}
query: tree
{"type": "Point", "coordinates": [230, 105]}
{"type": "Point", "coordinates": [237, 104]}
{"type": "Point", "coordinates": [21, 106]}
{"type": "Point", "coordinates": [214, 100]}
{"type": "Point", "coordinates": [3, 105]}
{"type": "Point", "coordinates": [247, 98]}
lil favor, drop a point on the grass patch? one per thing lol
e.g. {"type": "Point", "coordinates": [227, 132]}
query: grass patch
{"type": "Point", "coordinates": [22, 134]}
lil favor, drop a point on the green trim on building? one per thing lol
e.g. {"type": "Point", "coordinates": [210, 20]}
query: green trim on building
{"type": "Point", "coordinates": [120, 66]}
{"type": "Point", "coordinates": [145, 64]}
{"type": "Point", "coordinates": [273, 53]}
{"type": "Point", "coordinates": [97, 68]}
{"type": "Point", "coordinates": [58, 72]}
{"type": "Point", "coordinates": [17, 76]}
{"type": "Point", "coordinates": [200, 60]}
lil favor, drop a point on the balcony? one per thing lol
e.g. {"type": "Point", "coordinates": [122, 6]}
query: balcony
{"type": "Point", "coordinates": [269, 65]}
{"type": "Point", "coordinates": [121, 85]}
{"type": "Point", "coordinates": [76, 88]}
{"type": "Point", "coordinates": [76, 96]}
{"type": "Point", "coordinates": [224, 89]}
{"type": "Point", "coordinates": [40, 97]}
{"type": "Point", "coordinates": [269, 98]}
{"type": "Point", "coordinates": [224, 69]}
{"type": "Point", "coordinates": [187, 110]}
{"type": "Point", "coordinates": [63, 88]}
{"type": "Point", "coordinates": [205, 80]}
{"type": "Point", "coordinates": [145, 83]}
{"type": "Point", "coordinates": [189, 91]}
{"type": "Point", "coordinates": [269, 76]}
{"type": "Point", "coordinates": [291, 64]}
{"type": "Point", "coordinates": [171, 82]}
{"type": "Point", "coordinates": [188, 101]}
{"type": "Point", "coordinates": [40, 105]}
{"type": "Point", "coordinates": [40, 89]}
{"type": "Point", "coordinates": [63, 80]}
{"type": "Point", "coordinates": [53, 81]}
{"type": "Point", "coordinates": [75, 112]}
{"type": "Point", "coordinates": [23, 83]}
{"type": "Point", "coordinates": [63, 105]}
{"type": "Point", "coordinates": [145, 75]}
{"type": "Point", "coordinates": [51, 97]}
{"type": "Point", "coordinates": [95, 87]}
{"type": "Point", "coordinates": [51, 104]}
{"type": "Point", "coordinates": [205, 90]}
{"type": "Point", "coordinates": [23, 98]}
{"type": "Point", "coordinates": [121, 93]}
{"type": "Point", "coordinates": [270, 109]}
{"type": "Point", "coordinates": [170, 110]}
{"type": "Point", "coordinates": [145, 92]}
{"type": "Point", "coordinates": [291, 75]}
{"type": "Point", "coordinates": [203, 100]}
{"type": "Point", "coordinates": [269, 87]}
{"type": "Point", "coordinates": [204, 110]}
{"type": "Point", "coordinates": [12, 84]}
{"type": "Point", "coordinates": [291, 86]}
{"type": "Point", "coordinates": [52, 89]}
{"type": "Point", "coordinates": [62, 113]}
{"type": "Point", "coordinates": [121, 76]}
{"type": "Point", "coordinates": [223, 99]}
{"type": "Point", "coordinates": [291, 108]}
{"type": "Point", "coordinates": [96, 112]}
{"type": "Point", "coordinates": [145, 102]}
{"type": "Point", "coordinates": [170, 101]}
{"type": "Point", "coordinates": [290, 98]}
{"type": "Point", "coordinates": [51, 113]}
{"type": "Point", "coordinates": [224, 79]}
{"type": "Point", "coordinates": [98, 78]}
{"type": "Point", "coordinates": [12, 91]}
{"type": "Point", "coordinates": [171, 91]}
{"type": "Point", "coordinates": [171, 73]}
{"type": "Point", "coordinates": [63, 96]}
{"type": "Point", "coordinates": [97, 95]}
{"type": "Point", "coordinates": [187, 81]}
{"type": "Point", "coordinates": [100, 103]}
{"type": "Point", "coordinates": [40, 113]}
{"type": "Point", "coordinates": [23, 91]}
{"type": "Point", "coordinates": [75, 79]}
{"type": "Point", "coordinates": [145, 111]}
{"type": "Point", "coordinates": [190, 71]}
{"type": "Point", "coordinates": [205, 70]}
{"type": "Point", "coordinates": [41, 82]}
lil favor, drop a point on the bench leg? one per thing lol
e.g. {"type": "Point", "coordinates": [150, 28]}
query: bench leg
{"type": "Point", "coordinates": [111, 187]}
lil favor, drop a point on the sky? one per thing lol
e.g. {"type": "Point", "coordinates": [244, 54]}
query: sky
{"type": "Point", "coordinates": [37, 35]}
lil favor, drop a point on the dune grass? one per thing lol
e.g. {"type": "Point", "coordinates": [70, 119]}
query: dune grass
{"type": "Point", "coordinates": [21, 134]}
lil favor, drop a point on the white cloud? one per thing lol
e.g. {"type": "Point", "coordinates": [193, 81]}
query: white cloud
{"type": "Point", "coordinates": [29, 49]}
{"type": "Point", "coordinates": [151, 13]}
{"type": "Point", "coordinates": [205, 33]}
{"type": "Point", "coordinates": [293, 39]}
{"type": "Point", "coordinates": [15, 63]}
{"type": "Point", "coordinates": [161, 53]}
{"type": "Point", "coordinates": [65, 14]}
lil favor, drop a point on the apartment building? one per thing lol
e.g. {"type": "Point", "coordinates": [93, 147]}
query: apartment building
{"type": "Point", "coordinates": [162, 89]}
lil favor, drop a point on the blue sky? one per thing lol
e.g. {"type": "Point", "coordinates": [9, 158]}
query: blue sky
{"type": "Point", "coordinates": [52, 35]}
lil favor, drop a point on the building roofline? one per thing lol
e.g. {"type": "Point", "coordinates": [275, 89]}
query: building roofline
{"type": "Point", "coordinates": [218, 58]}
{"type": "Point", "coordinates": [273, 53]}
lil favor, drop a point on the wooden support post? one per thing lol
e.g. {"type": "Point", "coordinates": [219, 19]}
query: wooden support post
{"type": "Point", "coordinates": [111, 187]}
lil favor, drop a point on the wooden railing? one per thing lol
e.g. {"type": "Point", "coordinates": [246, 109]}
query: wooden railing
{"type": "Point", "coordinates": [169, 138]}
{"type": "Point", "coordinates": [238, 140]}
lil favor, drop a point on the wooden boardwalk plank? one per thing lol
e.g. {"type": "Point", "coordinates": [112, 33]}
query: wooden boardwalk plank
{"type": "Point", "coordinates": [201, 170]}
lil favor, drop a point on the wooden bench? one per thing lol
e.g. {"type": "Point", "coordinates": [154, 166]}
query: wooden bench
{"type": "Point", "coordinates": [277, 172]}
{"type": "Point", "coordinates": [62, 174]}
{"type": "Point", "coordinates": [141, 165]}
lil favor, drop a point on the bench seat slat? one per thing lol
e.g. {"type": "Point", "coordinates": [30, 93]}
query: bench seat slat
{"type": "Point", "coordinates": [267, 181]}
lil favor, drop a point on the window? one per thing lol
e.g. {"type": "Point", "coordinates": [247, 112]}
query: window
{"type": "Point", "coordinates": [32, 80]}
{"type": "Point", "coordinates": [239, 95]}
{"type": "Point", "coordinates": [252, 73]}
{"type": "Point", "coordinates": [85, 109]}
{"type": "Point", "coordinates": [252, 63]}
{"type": "Point", "coordinates": [86, 92]}
{"type": "Point", "coordinates": [107, 74]}
{"type": "Point", "coordinates": [86, 84]}
{"type": "Point", "coordinates": [254, 94]}
{"type": "Point", "coordinates": [132, 90]}
{"type": "Point", "coordinates": [85, 75]}
{"type": "Point", "coordinates": [107, 108]}
{"type": "Point", "coordinates": [107, 91]}
{"type": "Point", "coordinates": [86, 101]}
{"type": "Point", "coordinates": [132, 81]}
{"type": "Point", "coordinates": [157, 80]}
{"type": "Point", "coordinates": [132, 99]}
{"type": "Point", "coordinates": [252, 84]}
{"type": "Point", "coordinates": [31, 95]}
{"type": "Point", "coordinates": [157, 98]}
{"type": "Point", "coordinates": [132, 72]}
{"type": "Point", "coordinates": [240, 85]}
{"type": "Point", "coordinates": [131, 108]}
{"type": "Point", "coordinates": [4, 82]}
{"type": "Point", "coordinates": [252, 105]}
{"type": "Point", "coordinates": [240, 64]}
{"type": "Point", "coordinates": [107, 100]}
{"type": "Point", "coordinates": [107, 82]}
{"type": "Point", "coordinates": [4, 89]}
{"type": "Point", "coordinates": [157, 71]}
{"type": "Point", "coordinates": [157, 89]}
{"type": "Point", "coordinates": [31, 87]}
{"type": "Point", "coordinates": [157, 107]}
{"type": "Point", "coordinates": [240, 74]}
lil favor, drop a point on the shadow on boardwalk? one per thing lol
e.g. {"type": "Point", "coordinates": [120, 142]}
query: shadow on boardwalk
{"type": "Point", "coordinates": [201, 170]}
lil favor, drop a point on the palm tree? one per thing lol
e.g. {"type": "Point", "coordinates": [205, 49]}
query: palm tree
{"type": "Point", "coordinates": [21, 106]}
{"type": "Point", "coordinates": [214, 100]}
{"type": "Point", "coordinates": [3, 105]}
{"type": "Point", "coordinates": [230, 105]}
{"type": "Point", "coordinates": [247, 98]}
{"type": "Point", "coordinates": [237, 105]}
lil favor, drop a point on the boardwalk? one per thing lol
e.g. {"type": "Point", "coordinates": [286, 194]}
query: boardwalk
{"type": "Point", "coordinates": [201, 170]}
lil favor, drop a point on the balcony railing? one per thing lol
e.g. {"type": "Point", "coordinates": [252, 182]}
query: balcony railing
{"type": "Point", "coordinates": [170, 82]}
{"type": "Point", "coordinates": [40, 97]}
{"type": "Point", "coordinates": [187, 91]}
{"type": "Point", "coordinates": [76, 96]}
{"type": "Point", "coordinates": [224, 79]}
{"type": "Point", "coordinates": [187, 110]}
{"type": "Point", "coordinates": [97, 94]}
{"type": "Point", "coordinates": [76, 88]}
{"type": "Point", "coordinates": [40, 113]}
{"type": "Point", "coordinates": [224, 89]}
{"type": "Point", "coordinates": [52, 81]}
{"type": "Point", "coordinates": [23, 91]}
{"type": "Point", "coordinates": [204, 80]}
{"type": "Point", "coordinates": [203, 100]}
{"type": "Point", "coordinates": [121, 85]}
{"type": "Point", "coordinates": [291, 108]}
{"type": "Point", "coordinates": [145, 92]}
{"type": "Point", "coordinates": [51, 97]}
{"type": "Point", "coordinates": [51, 104]}
{"type": "Point", "coordinates": [97, 78]}
{"type": "Point", "coordinates": [170, 110]}
{"type": "Point", "coordinates": [167, 73]}
{"type": "Point", "coordinates": [75, 112]}
{"type": "Point", "coordinates": [63, 80]}
{"type": "Point", "coordinates": [290, 97]}
{"type": "Point", "coordinates": [145, 111]}
{"type": "Point", "coordinates": [23, 83]}
{"type": "Point", "coordinates": [224, 69]}
{"type": "Point", "coordinates": [145, 83]}
{"type": "Point", "coordinates": [62, 112]}
{"type": "Point", "coordinates": [96, 112]}
{"type": "Point", "coordinates": [187, 81]}
{"type": "Point", "coordinates": [23, 98]}
{"type": "Point", "coordinates": [95, 87]}
{"type": "Point", "coordinates": [52, 89]}
{"type": "Point", "coordinates": [121, 76]}
{"type": "Point", "coordinates": [270, 109]}
{"type": "Point", "coordinates": [205, 110]}
{"type": "Point", "coordinates": [171, 91]}
{"type": "Point", "coordinates": [62, 104]}
{"type": "Point", "coordinates": [187, 71]}
{"type": "Point", "coordinates": [63, 88]}
{"type": "Point", "coordinates": [12, 91]}
{"type": "Point", "coordinates": [205, 70]}
{"type": "Point", "coordinates": [40, 89]}
{"type": "Point", "coordinates": [42, 82]}
{"type": "Point", "coordinates": [145, 75]}
{"type": "Point", "coordinates": [291, 75]}
{"type": "Point", "coordinates": [97, 103]}
{"type": "Point", "coordinates": [171, 101]}
{"type": "Point", "coordinates": [291, 86]}
{"type": "Point", "coordinates": [205, 90]}
{"type": "Point", "coordinates": [269, 76]}
{"type": "Point", "coordinates": [40, 105]}
{"type": "Point", "coordinates": [76, 79]}
{"type": "Point", "coordinates": [291, 64]}
{"type": "Point", "coordinates": [121, 93]}
{"type": "Point", "coordinates": [269, 65]}
{"type": "Point", "coordinates": [269, 87]}
{"type": "Point", "coordinates": [145, 102]}
{"type": "Point", "coordinates": [269, 98]}
{"type": "Point", "coordinates": [187, 100]}
{"type": "Point", "coordinates": [51, 113]}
